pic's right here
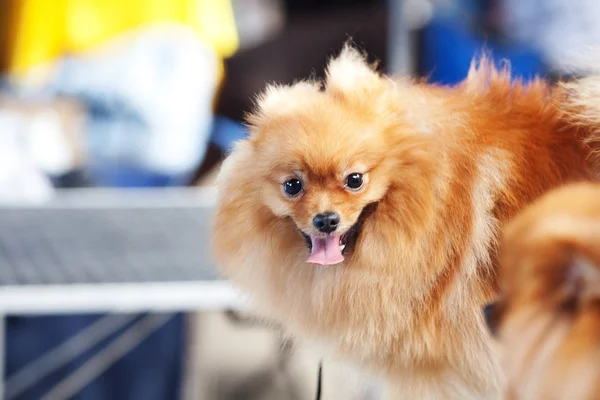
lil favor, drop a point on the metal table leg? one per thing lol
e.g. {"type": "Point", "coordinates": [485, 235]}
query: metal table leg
{"type": "Point", "coordinates": [2, 355]}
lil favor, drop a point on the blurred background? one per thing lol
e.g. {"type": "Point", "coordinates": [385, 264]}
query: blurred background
{"type": "Point", "coordinates": [103, 98]}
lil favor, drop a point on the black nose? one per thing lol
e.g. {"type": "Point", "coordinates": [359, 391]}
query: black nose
{"type": "Point", "coordinates": [326, 222]}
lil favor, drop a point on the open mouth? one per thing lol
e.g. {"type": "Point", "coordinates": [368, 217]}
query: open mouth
{"type": "Point", "coordinates": [331, 249]}
{"type": "Point", "coordinates": [329, 240]}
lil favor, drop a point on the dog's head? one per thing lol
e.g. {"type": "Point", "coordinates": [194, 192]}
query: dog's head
{"type": "Point", "coordinates": [549, 318]}
{"type": "Point", "coordinates": [327, 152]}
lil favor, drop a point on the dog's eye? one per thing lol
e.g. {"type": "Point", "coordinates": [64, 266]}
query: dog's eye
{"type": "Point", "coordinates": [292, 187]}
{"type": "Point", "coordinates": [354, 181]}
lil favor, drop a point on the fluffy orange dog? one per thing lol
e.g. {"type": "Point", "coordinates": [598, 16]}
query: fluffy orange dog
{"type": "Point", "coordinates": [363, 213]}
{"type": "Point", "coordinates": [550, 317]}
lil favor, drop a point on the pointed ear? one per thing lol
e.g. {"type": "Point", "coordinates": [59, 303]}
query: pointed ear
{"type": "Point", "coordinates": [349, 73]}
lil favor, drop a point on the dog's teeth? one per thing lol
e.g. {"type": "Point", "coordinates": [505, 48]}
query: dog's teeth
{"type": "Point", "coordinates": [342, 247]}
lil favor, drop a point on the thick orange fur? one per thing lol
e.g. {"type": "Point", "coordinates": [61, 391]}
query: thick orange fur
{"type": "Point", "coordinates": [550, 318]}
{"type": "Point", "coordinates": [446, 167]}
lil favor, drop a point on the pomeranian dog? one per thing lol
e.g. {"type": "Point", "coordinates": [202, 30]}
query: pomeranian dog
{"type": "Point", "coordinates": [549, 317]}
{"type": "Point", "coordinates": [363, 213]}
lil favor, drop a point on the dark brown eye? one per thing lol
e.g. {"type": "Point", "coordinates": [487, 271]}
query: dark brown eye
{"type": "Point", "coordinates": [292, 187]}
{"type": "Point", "coordinates": [354, 181]}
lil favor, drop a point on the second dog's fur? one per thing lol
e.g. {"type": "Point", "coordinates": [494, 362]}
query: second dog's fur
{"type": "Point", "coordinates": [550, 315]}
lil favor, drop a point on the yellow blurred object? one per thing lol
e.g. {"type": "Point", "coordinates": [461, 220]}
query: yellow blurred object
{"type": "Point", "coordinates": [43, 30]}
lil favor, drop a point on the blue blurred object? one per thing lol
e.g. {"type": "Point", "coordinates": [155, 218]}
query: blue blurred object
{"type": "Point", "coordinates": [132, 176]}
{"type": "Point", "coordinates": [448, 48]}
{"type": "Point", "coordinates": [226, 132]}
{"type": "Point", "coordinates": [152, 370]}
{"type": "Point", "coordinates": [465, 11]}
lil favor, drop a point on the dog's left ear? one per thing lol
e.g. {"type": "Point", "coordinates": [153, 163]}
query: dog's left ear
{"type": "Point", "coordinates": [350, 73]}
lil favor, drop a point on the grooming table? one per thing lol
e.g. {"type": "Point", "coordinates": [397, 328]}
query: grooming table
{"type": "Point", "coordinates": [109, 251]}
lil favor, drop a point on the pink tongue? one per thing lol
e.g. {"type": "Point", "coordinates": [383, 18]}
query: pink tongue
{"type": "Point", "coordinates": [325, 251]}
